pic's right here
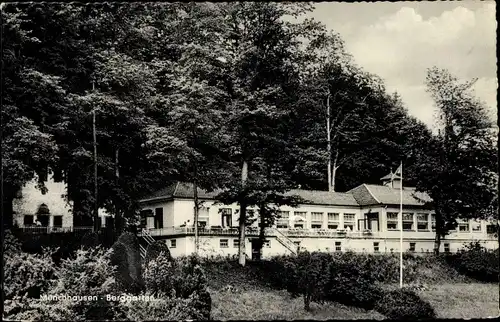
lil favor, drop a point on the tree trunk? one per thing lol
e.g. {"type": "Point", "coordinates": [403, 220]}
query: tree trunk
{"type": "Point", "coordinates": [334, 172]}
{"type": "Point", "coordinates": [307, 302]}
{"type": "Point", "coordinates": [328, 144]}
{"type": "Point", "coordinates": [94, 135]}
{"type": "Point", "coordinates": [118, 226]}
{"type": "Point", "coordinates": [243, 213]}
{"type": "Point", "coordinates": [262, 228]}
{"type": "Point", "coordinates": [437, 238]}
{"type": "Point", "coordinates": [196, 214]}
{"type": "Point", "coordinates": [7, 210]}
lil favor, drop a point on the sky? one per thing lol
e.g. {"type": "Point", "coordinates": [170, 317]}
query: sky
{"type": "Point", "coordinates": [398, 41]}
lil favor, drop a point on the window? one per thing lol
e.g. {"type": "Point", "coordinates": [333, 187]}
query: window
{"type": "Point", "coordinates": [392, 221]}
{"type": "Point", "coordinates": [407, 221]}
{"type": "Point", "coordinates": [413, 246]}
{"type": "Point", "coordinates": [333, 220]}
{"type": "Point", "coordinates": [283, 219]}
{"type": "Point", "coordinates": [203, 217]}
{"type": "Point", "coordinates": [422, 222]}
{"type": "Point", "coordinates": [376, 247]}
{"type": "Point", "coordinates": [433, 222]}
{"type": "Point", "coordinates": [236, 243]}
{"type": "Point", "coordinates": [491, 229]}
{"type": "Point", "coordinates": [226, 217]}
{"type": "Point", "coordinates": [463, 227]}
{"type": "Point", "coordinates": [476, 226]}
{"type": "Point", "coordinates": [58, 221]}
{"type": "Point", "coordinates": [349, 220]}
{"type": "Point", "coordinates": [338, 246]}
{"type": "Point", "coordinates": [316, 220]}
{"type": "Point", "coordinates": [224, 243]}
{"type": "Point", "coordinates": [173, 243]}
{"type": "Point", "coordinates": [299, 219]}
{"type": "Point", "coordinates": [159, 218]}
{"type": "Point", "coordinates": [28, 220]}
{"type": "Point", "coordinates": [446, 247]}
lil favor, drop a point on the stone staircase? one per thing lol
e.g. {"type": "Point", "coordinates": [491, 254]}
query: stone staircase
{"type": "Point", "coordinates": [144, 241]}
{"type": "Point", "coordinates": [285, 241]}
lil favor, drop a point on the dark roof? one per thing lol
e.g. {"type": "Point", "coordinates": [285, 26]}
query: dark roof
{"type": "Point", "coordinates": [370, 194]}
{"type": "Point", "coordinates": [363, 195]}
{"type": "Point", "coordinates": [324, 197]}
{"type": "Point", "coordinates": [179, 190]}
{"type": "Point", "coordinates": [185, 190]}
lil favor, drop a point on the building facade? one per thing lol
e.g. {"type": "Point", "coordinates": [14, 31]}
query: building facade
{"type": "Point", "coordinates": [48, 211]}
{"type": "Point", "coordinates": [364, 219]}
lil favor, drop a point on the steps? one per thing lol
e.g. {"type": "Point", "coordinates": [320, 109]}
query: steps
{"type": "Point", "coordinates": [285, 241]}
{"type": "Point", "coordinates": [144, 241]}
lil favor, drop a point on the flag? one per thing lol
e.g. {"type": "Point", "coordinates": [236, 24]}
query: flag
{"type": "Point", "coordinates": [399, 172]}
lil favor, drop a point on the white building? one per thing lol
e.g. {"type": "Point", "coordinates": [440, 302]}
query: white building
{"type": "Point", "coordinates": [364, 219]}
{"type": "Point", "coordinates": [46, 212]}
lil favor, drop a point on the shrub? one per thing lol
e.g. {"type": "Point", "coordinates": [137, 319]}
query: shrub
{"type": "Point", "coordinates": [162, 308]}
{"type": "Point", "coordinates": [11, 243]}
{"type": "Point", "coordinates": [90, 240]}
{"type": "Point", "coordinates": [182, 278]}
{"type": "Point", "coordinates": [89, 273]}
{"type": "Point", "coordinates": [27, 275]}
{"type": "Point", "coordinates": [126, 257]}
{"type": "Point", "coordinates": [349, 284]}
{"type": "Point", "coordinates": [155, 249]}
{"type": "Point", "coordinates": [476, 262]}
{"type": "Point", "coordinates": [404, 304]}
{"type": "Point", "coordinates": [306, 276]}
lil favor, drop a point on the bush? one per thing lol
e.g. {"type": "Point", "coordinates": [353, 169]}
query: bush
{"type": "Point", "coordinates": [11, 243]}
{"type": "Point", "coordinates": [351, 285]}
{"type": "Point", "coordinates": [27, 275]}
{"type": "Point", "coordinates": [155, 249]}
{"type": "Point", "coordinates": [90, 240]}
{"type": "Point", "coordinates": [126, 257]}
{"type": "Point", "coordinates": [182, 278]}
{"type": "Point", "coordinates": [88, 274]}
{"type": "Point", "coordinates": [476, 262]}
{"type": "Point", "coordinates": [404, 304]}
{"type": "Point", "coordinates": [162, 308]}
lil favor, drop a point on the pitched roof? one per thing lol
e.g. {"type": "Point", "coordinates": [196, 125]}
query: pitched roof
{"type": "Point", "coordinates": [185, 190]}
{"type": "Point", "coordinates": [389, 196]}
{"type": "Point", "coordinates": [363, 196]}
{"type": "Point", "coordinates": [318, 197]}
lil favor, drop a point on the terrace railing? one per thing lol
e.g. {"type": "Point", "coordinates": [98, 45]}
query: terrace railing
{"type": "Point", "coordinates": [51, 230]}
{"type": "Point", "coordinates": [254, 231]}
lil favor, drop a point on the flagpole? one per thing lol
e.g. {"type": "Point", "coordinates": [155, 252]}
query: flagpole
{"type": "Point", "coordinates": [401, 229]}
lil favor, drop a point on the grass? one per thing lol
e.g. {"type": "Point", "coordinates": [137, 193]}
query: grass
{"type": "Point", "coordinates": [278, 305]}
{"type": "Point", "coordinates": [249, 299]}
{"type": "Point", "coordinates": [464, 300]}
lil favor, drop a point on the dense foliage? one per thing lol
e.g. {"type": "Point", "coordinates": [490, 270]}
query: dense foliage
{"type": "Point", "coordinates": [175, 290]}
{"type": "Point", "coordinates": [476, 262]}
{"type": "Point", "coordinates": [403, 304]}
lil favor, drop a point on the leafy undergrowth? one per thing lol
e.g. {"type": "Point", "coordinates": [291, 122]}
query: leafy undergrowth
{"type": "Point", "coordinates": [278, 305]}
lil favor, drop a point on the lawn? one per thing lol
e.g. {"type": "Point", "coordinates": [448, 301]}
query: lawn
{"type": "Point", "coordinates": [249, 299]}
{"type": "Point", "coordinates": [462, 301]}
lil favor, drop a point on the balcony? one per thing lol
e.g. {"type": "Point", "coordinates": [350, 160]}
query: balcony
{"type": "Point", "coordinates": [52, 230]}
{"type": "Point", "coordinates": [254, 231]}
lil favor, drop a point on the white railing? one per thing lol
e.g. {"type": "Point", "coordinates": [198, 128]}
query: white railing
{"type": "Point", "coordinates": [285, 241]}
{"type": "Point", "coordinates": [49, 230]}
{"type": "Point", "coordinates": [253, 231]}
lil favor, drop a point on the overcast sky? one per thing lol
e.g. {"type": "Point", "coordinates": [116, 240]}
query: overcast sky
{"type": "Point", "coordinates": [399, 41]}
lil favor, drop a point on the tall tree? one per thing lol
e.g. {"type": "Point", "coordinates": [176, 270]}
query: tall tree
{"type": "Point", "coordinates": [460, 176]}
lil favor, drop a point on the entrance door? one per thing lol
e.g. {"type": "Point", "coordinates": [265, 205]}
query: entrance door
{"type": "Point", "coordinates": [373, 223]}
{"type": "Point", "coordinates": [256, 255]}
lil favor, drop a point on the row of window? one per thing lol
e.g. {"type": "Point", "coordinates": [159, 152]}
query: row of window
{"type": "Point", "coordinates": [224, 243]}
{"type": "Point", "coordinates": [43, 220]}
{"type": "Point", "coordinates": [423, 223]}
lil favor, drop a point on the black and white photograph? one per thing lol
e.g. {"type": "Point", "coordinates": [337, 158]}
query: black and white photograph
{"type": "Point", "coordinates": [182, 161]}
